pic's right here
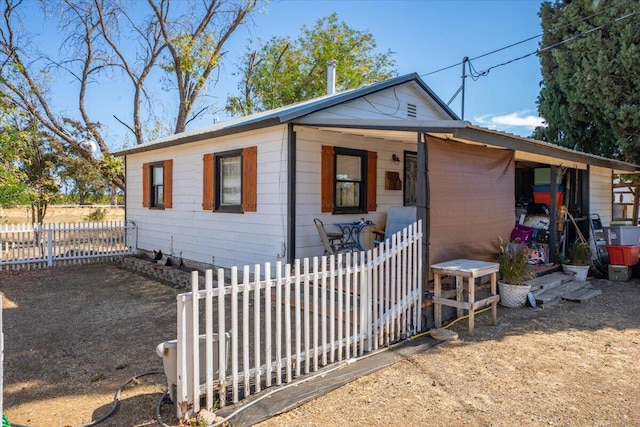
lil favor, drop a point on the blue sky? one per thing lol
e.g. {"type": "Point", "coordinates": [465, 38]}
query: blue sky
{"type": "Point", "coordinates": [425, 36]}
{"type": "Point", "coordinates": [429, 35]}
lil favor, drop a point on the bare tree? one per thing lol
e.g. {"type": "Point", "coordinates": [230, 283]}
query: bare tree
{"type": "Point", "coordinates": [106, 40]}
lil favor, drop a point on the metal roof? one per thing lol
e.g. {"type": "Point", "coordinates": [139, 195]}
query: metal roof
{"type": "Point", "coordinates": [453, 129]}
{"type": "Point", "coordinates": [464, 132]}
{"type": "Point", "coordinates": [284, 115]}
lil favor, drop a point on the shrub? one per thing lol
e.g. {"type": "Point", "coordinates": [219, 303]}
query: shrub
{"type": "Point", "coordinates": [98, 214]}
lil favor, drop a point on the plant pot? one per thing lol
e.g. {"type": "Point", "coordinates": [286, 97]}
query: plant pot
{"type": "Point", "coordinates": [513, 296]}
{"type": "Point", "coordinates": [579, 272]}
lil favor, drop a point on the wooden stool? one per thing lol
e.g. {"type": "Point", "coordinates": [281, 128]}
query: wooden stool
{"type": "Point", "coordinates": [461, 269]}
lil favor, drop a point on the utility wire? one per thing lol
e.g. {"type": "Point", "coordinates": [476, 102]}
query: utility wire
{"type": "Point", "coordinates": [476, 75]}
{"type": "Point", "coordinates": [532, 38]}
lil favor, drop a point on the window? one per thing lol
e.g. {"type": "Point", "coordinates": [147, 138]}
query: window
{"type": "Point", "coordinates": [410, 178]}
{"type": "Point", "coordinates": [348, 180]}
{"type": "Point", "coordinates": [230, 181]}
{"type": "Point", "coordinates": [157, 184]}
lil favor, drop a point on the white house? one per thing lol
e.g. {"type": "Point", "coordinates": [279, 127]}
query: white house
{"type": "Point", "coordinates": [246, 191]}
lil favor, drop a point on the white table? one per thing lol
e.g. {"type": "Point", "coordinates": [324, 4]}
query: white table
{"type": "Point", "coordinates": [461, 269]}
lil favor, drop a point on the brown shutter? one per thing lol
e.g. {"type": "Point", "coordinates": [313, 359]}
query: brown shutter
{"type": "Point", "coordinates": [207, 182]}
{"type": "Point", "coordinates": [372, 173]}
{"type": "Point", "coordinates": [327, 184]}
{"type": "Point", "coordinates": [168, 184]}
{"type": "Point", "coordinates": [250, 179]}
{"type": "Point", "coordinates": [146, 189]}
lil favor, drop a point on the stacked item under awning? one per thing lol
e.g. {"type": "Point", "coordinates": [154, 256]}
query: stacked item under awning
{"type": "Point", "coordinates": [623, 246]}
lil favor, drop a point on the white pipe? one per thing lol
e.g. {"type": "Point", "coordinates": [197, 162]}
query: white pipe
{"type": "Point", "coordinates": [331, 77]}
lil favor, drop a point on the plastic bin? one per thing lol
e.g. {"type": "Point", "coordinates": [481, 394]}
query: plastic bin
{"type": "Point", "coordinates": [547, 188]}
{"type": "Point", "coordinates": [545, 198]}
{"type": "Point", "coordinates": [624, 255]}
{"type": "Point", "coordinates": [621, 235]}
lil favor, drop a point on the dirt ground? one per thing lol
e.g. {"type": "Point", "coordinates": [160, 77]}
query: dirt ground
{"type": "Point", "coordinates": [572, 364]}
{"type": "Point", "coordinates": [73, 335]}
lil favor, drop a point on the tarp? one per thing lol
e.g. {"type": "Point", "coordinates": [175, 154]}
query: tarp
{"type": "Point", "coordinates": [472, 200]}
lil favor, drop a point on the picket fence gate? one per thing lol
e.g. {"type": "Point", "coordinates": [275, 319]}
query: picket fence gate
{"type": "Point", "coordinates": [293, 321]}
{"type": "Point", "coordinates": [28, 246]}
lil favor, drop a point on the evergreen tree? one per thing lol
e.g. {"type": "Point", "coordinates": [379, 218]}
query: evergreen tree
{"type": "Point", "coordinates": [590, 95]}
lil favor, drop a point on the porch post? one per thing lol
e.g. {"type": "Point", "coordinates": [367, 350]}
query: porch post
{"type": "Point", "coordinates": [291, 195]}
{"type": "Point", "coordinates": [553, 233]}
{"type": "Point", "coordinates": [422, 206]}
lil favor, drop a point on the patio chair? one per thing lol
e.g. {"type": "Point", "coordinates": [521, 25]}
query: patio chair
{"type": "Point", "coordinates": [332, 241]}
{"type": "Point", "coordinates": [398, 217]}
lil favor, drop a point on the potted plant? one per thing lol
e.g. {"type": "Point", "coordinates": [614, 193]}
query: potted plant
{"type": "Point", "coordinates": [514, 272]}
{"type": "Point", "coordinates": [578, 261]}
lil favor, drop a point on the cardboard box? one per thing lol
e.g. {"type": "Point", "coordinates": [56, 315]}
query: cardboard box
{"type": "Point", "coordinates": [619, 273]}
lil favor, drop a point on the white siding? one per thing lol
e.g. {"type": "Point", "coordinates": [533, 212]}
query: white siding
{"type": "Point", "coordinates": [387, 104]}
{"type": "Point", "coordinates": [224, 239]}
{"type": "Point", "coordinates": [309, 142]}
{"type": "Point", "coordinates": [601, 193]}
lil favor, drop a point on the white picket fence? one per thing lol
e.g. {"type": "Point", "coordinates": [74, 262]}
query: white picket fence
{"type": "Point", "coordinates": [27, 246]}
{"type": "Point", "coordinates": [285, 323]}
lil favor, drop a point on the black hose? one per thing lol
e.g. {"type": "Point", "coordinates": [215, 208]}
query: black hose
{"type": "Point", "coordinates": [116, 398]}
{"type": "Point", "coordinates": [160, 402]}
{"type": "Point", "coordinates": [116, 402]}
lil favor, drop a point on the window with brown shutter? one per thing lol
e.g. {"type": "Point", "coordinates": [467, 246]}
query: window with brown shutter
{"type": "Point", "coordinates": [327, 179]}
{"type": "Point", "coordinates": [372, 172]}
{"type": "Point", "coordinates": [230, 181]}
{"type": "Point", "coordinates": [207, 182]}
{"type": "Point", "coordinates": [168, 184]}
{"type": "Point", "coordinates": [146, 189]}
{"type": "Point", "coordinates": [157, 185]}
{"type": "Point", "coordinates": [250, 179]}
{"type": "Point", "coordinates": [348, 180]}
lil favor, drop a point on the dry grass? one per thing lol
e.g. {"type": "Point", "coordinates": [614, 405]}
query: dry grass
{"type": "Point", "coordinates": [22, 215]}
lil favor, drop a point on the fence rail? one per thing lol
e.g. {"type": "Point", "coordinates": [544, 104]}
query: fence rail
{"type": "Point", "coordinates": [27, 246]}
{"type": "Point", "coordinates": [283, 323]}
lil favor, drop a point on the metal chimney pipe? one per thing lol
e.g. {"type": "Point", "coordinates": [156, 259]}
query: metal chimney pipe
{"type": "Point", "coordinates": [331, 77]}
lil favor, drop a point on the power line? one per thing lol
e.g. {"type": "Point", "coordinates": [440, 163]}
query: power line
{"type": "Point", "coordinates": [529, 39]}
{"type": "Point", "coordinates": [552, 46]}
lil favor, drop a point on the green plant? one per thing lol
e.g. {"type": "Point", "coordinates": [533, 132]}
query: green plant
{"type": "Point", "coordinates": [579, 253]}
{"type": "Point", "coordinates": [514, 268]}
{"type": "Point", "coordinates": [98, 214]}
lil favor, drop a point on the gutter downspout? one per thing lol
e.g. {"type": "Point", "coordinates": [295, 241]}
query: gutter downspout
{"type": "Point", "coordinates": [291, 194]}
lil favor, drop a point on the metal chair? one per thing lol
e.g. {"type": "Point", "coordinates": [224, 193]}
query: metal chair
{"type": "Point", "coordinates": [333, 242]}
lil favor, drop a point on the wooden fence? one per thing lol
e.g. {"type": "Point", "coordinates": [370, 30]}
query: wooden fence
{"type": "Point", "coordinates": [27, 246]}
{"type": "Point", "coordinates": [285, 323]}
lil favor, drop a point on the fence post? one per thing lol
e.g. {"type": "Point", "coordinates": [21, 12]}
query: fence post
{"type": "Point", "coordinates": [1, 360]}
{"type": "Point", "coordinates": [49, 247]}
